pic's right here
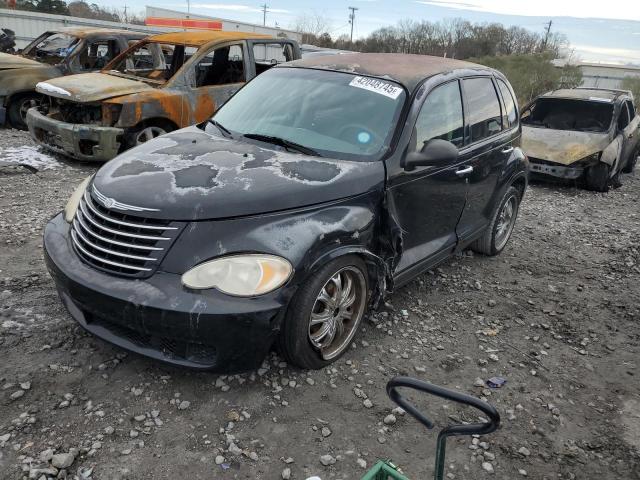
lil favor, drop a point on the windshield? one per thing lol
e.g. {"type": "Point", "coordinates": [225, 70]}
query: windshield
{"type": "Point", "coordinates": [567, 114]}
{"type": "Point", "coordinates": [149, 61]}
{"type": "Point", "coordinates": [51, 48]}
{"type": "Point", "coordinates": [338, 115]}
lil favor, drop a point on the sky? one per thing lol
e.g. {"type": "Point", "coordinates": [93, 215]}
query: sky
{"type": "Point", "coordinates": [599, 31]}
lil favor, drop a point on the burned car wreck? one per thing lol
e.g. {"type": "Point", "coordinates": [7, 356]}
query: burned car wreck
{"type": "Point", "coordinates": [165, 82]}
{"type": "Point", "coordinates": [55, 53]}
{"type": "Point", "coordinates": [283, 218]}
{"type": "Point", "coordinates": [585, 134]}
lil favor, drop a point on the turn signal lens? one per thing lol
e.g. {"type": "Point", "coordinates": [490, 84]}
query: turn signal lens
{"type": "Point", "coordinates": [240, 275]}
{"type": "Point", "coordinates": [74, 200]}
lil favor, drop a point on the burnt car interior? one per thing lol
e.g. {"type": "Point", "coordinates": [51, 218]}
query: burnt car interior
{"type": "Point", "coordinates": [569, 114]}
{"type": "Point", "coordinates": [158, 63]}
{"type": "Point", "coordinates": [98, 53]}
{"type": "Point", "coordinates": [51, 47]}
{"type": "Point", "coordinates": [221, 66]}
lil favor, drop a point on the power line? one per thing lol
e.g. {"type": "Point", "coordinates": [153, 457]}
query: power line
{"type": "Point", "coordinates": [352, 18]}
{"type": "Point", "coordinates": [264, 14]}
{"type": "Point", "coordinates": [546, 36]}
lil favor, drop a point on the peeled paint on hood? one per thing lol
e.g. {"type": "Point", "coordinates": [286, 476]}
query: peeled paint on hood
{"type": "Point", "coordinates": [193, 175]}
{"type": "Point", "coordinates": [91, 87]}
{"type": "Point", "coordinates": [8, 60]}
{"type": "Point", "coordinates": [561, 146]}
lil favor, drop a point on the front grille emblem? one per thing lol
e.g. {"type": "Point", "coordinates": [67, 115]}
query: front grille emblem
{"type": "Point", "coordinates": [109, 202]}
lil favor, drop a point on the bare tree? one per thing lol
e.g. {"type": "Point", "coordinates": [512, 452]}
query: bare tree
{"type": "Point", "coordinates": [312, 26]}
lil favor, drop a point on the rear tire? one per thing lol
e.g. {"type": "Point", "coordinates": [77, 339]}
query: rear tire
{"type": "Point", "coordinates": [496, 237]}
{"type": "Point", "coordinates": [311, 336]}
{"type": "Point", "coordinates": [18, 107]}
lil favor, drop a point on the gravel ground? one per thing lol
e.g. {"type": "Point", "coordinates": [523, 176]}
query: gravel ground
{"type": "Point", "coordinates": [556, 315]}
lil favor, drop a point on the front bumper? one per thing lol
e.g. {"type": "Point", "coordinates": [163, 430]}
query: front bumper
{"type": "Point", "coordinates": [159, 318]}
{"type": "Point", "coordinates": [555, 170]}
{"type": "Point", "coordinates": [82, 142]}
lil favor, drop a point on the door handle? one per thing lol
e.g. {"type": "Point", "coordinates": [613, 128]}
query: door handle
{"type": "Point", "coordinates": [464, 171]}
{"type": "Point", "coordinates": [507, 150]}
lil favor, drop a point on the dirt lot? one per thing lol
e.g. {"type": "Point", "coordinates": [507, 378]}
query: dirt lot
{"type": "Point", "coordinates": [556, 315]}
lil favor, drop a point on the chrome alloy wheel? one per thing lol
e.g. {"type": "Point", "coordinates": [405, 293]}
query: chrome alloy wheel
{"type": "Point", "coordinates": [149, 133]}
{"type": "Point", "coordinates": [506, 222]}
{"type": "Point", "coordinates": [337, 312]}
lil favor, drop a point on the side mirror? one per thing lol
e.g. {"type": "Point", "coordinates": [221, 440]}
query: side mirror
{"type": "Point", "coordinates": [434, 152]}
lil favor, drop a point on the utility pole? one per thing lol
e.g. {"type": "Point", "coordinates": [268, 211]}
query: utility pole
{"type": "Point", "coordinates": [264, 14]}
{"type": "Point", "coordinates": [126, 20]}
{"type": "Point", "coordinates": [546, 36]}
{"type": "Point", "coordinates": [352, 17]}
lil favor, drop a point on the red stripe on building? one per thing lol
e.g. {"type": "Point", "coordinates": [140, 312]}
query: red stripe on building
{"type": "Point", "coordinates": [183, 23]}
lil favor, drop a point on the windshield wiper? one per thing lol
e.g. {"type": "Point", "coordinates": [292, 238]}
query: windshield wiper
{"type": "Point", "coordinates": [225, 131]}
{"type": "Point", "coordinates": [283, 142]}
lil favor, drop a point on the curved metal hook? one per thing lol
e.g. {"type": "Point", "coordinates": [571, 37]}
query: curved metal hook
{"type": "Point", "coordinates": [451, 430]}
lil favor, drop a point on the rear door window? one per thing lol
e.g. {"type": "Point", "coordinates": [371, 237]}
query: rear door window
{"type": "Point", "coordinates": [267, 55]}
{"type": "Point", "coordinates": [97, 54]}
{"type": "Point", "coordinates": [220, 66]}
{"type": "Point", "coordinates": [510, 114]}
{"type": "Point", "coordinates": [483, 107]}
{"type": "Point", "coordinates": [441, 116]}
{"type": "Point", "coordinates": [632, 109]}
{"type": "Point", "coordinates": [623, 118]}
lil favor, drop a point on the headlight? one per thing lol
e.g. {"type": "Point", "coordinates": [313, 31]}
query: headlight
{"type": "Point", "coordinates": [589, 160]}
{"type": "Point", "coordinates": [111, 113]}
{"type": "Point", "coordinates": [74, 200]}
{"type": "Point", "coordinates": [240, 275]}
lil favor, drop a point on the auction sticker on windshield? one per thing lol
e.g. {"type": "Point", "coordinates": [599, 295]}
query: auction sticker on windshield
{"type": "Point", "coordinates": [377, 86]}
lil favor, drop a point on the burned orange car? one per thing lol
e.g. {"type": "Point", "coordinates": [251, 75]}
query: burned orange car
{"type": "Point", "coordinates": [160, 84]}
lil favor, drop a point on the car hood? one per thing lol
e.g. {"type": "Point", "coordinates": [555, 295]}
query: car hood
{"type": "Point", "coordinates": [561, 146]}
{"type": "Point", "coordinates": [193, 175]}
{"type": "Point", "coordinates": [91, 87]}
{"type": "Point", "coordinates": [8, 61]}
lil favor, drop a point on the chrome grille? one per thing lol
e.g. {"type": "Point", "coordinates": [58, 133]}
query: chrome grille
{"type": "Point", "coordinates": [119, 243]}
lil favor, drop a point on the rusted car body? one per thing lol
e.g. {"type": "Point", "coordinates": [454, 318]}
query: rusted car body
{"type": "Point", "coordinates": [53, 54]}
{"type": "Point", "coordinates": [584, 134]}
{"type": "Point", "coordinates": [163, 83]}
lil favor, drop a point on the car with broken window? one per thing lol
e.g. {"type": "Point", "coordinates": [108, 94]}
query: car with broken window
{"type": "Point", "coordinates": [163, 83]}
{"type": "Point", "coordinates": [589, 135]}
{"type": "Point", "coordinates": [317, 188]}
{"type": "Point", "coordinates": [55, 53]}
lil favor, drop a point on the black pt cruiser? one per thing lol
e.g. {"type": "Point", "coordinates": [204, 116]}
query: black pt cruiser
{"type": "Point", "coordinates": [312, 192]}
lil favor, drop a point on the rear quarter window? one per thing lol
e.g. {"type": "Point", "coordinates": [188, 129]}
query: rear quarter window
{"type": "Point", "coordinates": [484, 107]}
{"type": "Point", "coordinates": [511, 114]}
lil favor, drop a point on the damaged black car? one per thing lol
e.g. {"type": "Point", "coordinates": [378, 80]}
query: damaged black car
{"type": "Point", "coordinates": [316, 189]}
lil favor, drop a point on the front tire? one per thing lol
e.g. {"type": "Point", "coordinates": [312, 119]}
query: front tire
{"type": "Point", "coordinates": [597, 177]}
{"type": "Point", "coordinates": [17, 110]}
{"type": "Point", "coordinates": [145, 132]}
{"type": "Point", "coordinates": [497, 235]}
{"type": "Point", "coordinates": [325, 314]}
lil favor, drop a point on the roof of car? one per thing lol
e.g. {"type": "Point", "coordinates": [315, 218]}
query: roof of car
{"type": "Point", "coordinates": [92, 31]}
{"type": "Point", "coordinates": [409, 70]}
{"type": "Point", "coordinates": [201, 37]}
{"type": "Point", "coordinates": [585, 93]}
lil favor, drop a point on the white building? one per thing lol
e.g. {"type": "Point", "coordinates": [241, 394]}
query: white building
{"type": "Point", "coordinates": [604, 75]}
{"type": "Point", "coordinates": [224, 23]}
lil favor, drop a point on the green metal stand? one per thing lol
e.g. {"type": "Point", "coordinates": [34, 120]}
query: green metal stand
{"type": "Point", "coordinates": [385, 470]}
